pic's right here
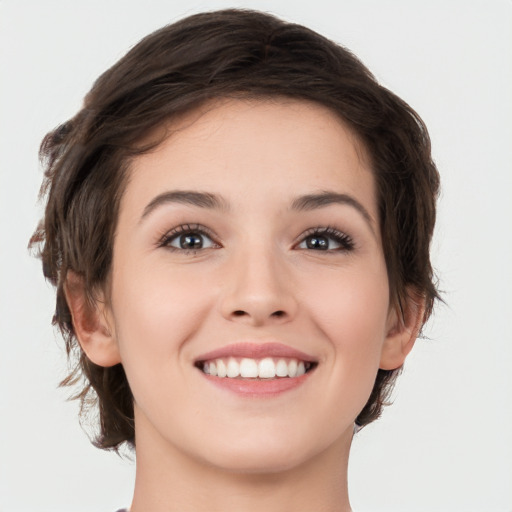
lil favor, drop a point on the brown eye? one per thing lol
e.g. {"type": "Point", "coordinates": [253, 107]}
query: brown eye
{"type": "Point", "coordinates": [326, 239]}
{"type": "Point", "coordinates": [191, 241]}
{"type": "Point", "coordinates": [188, 238]}
{"type": "Point", "coordinates": [317, 242]}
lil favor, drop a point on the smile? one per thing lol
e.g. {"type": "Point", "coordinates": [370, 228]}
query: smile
{"type": "Point", "coordinates": [248, 368]}
{"type": "Point", "coordinates": [256, 369]}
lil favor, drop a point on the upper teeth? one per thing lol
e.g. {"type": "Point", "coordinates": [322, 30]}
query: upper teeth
{"type": "Point", "coordinates": [266, 368]}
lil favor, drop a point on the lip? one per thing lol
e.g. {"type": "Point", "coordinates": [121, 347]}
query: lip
{"type": "Point", "coordinates": [256, 388]}
{"type": "Point", "coordinates": [256, 351]}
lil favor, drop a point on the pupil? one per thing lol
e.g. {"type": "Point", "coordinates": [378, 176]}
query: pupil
{"type": "Point", "coordinates": [318, 242]}
{"type": "Point", "coordinates": [191, 241]}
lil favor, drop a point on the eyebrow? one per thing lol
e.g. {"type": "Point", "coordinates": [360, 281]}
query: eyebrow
{"type": "Point", "coordinates": [214, 202]}
{"type": "Point", "coordinates": [200, 199]}
{"type": "Point", "coordinates": [326, 198]}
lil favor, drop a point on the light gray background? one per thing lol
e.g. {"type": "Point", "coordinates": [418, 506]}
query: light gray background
{"type": "Point", "coordinates": [445, 445]}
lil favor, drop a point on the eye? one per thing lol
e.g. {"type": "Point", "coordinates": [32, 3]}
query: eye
{"type": "Point", "coordinates": [326, 239]}
{"type": "Point", "coordinates": [191, 241]}
{"type": "Point", "coordinates": [188, 238]}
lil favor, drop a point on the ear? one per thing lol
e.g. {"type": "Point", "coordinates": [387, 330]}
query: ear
{"type": "Point", "coordinates": [93, 323]}
{"type": "Point", "coordinates": [403, 328]}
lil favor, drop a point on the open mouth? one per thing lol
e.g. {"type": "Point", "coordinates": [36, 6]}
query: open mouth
{"type": "Point", "coordinates": [264, 368]}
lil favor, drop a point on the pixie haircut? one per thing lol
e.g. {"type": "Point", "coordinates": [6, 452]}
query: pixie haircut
{"type": "Point", "coordinates": [220, 55]}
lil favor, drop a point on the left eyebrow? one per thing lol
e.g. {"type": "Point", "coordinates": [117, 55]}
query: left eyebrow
{"type": "Point", "coordinates": [326, 198]}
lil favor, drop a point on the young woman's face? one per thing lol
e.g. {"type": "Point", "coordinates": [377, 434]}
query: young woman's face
{"type": "Point", "coordinates": [248, 241]}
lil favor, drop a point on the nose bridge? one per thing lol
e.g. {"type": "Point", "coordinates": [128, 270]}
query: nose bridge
{"type": "Point", "coordinates": [257, 288]}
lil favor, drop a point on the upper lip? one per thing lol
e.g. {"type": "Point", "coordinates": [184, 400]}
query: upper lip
{"type": "Point", "coordinates": [256, 351]}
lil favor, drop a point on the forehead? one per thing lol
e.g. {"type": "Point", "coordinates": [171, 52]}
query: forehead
{"type": "Point", "coordinates": [254, 151]}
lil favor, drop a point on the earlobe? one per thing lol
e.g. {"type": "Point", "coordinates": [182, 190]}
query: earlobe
{"type": "Point", "coordinates": [403, 329]}
{"type": "Point", "coordinates": [91, 322]}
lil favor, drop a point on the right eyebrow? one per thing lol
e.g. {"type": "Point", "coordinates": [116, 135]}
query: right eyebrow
{"type": "Point", "coordinates": [200, 199]}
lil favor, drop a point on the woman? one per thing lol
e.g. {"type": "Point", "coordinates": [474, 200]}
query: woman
{"type": "Point", "coordinates": [238, 225]}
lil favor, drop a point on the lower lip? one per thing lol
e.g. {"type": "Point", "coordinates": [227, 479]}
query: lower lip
{"type": "Point", "coordinates": [258, 387]}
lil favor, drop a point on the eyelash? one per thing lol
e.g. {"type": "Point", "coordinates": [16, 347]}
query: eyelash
{"type": "Point", "coordinates": [184, 229]}
{"type": "Point", "coordinates": [345, 241]}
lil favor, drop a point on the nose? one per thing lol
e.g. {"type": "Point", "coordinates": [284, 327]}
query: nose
{"type": "Point", "coordinates": [258, 290]}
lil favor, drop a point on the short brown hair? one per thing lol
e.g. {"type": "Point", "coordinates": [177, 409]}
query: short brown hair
{"type": "Point", "coordinates": [228, 53]}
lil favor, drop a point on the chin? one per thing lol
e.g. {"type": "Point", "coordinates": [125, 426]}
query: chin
{"type": "Point", "coordinates": [247, 461]}
{"type": "Point", "coordinates": [270, 453]}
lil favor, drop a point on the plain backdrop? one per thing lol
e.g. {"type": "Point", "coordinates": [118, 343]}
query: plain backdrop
{"type": "Point", "coordinates": [446, 443]}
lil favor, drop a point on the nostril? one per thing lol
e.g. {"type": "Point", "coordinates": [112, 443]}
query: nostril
{"type": "Point", "coordinates": [278, 314]}
{"type": "Point", "coordinates": [239, 312]}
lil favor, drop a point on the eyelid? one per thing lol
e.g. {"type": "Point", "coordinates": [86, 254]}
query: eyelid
{"type": "Point", "coordinates": [337, 235]}
{"type": "Point", "coordinates": [200, 229]}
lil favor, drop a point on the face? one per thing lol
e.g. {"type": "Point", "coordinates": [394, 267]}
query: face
{"type": "Point", "coordinates": [248, 242]}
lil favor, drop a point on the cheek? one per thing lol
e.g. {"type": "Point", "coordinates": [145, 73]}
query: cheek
{"type": "Point", "coordinates": [156, 312]}
{"type": "Point", "coordinates": [351, 308]}
{"type": "Point", "coordinates": [158, 309]}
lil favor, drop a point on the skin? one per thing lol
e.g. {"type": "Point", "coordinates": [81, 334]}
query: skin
{"type": "Point", "coordinates": [255, 279]}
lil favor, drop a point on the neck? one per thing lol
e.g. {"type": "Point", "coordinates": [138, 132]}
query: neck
{"type": "Point", "coordinates": [169, 480]}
